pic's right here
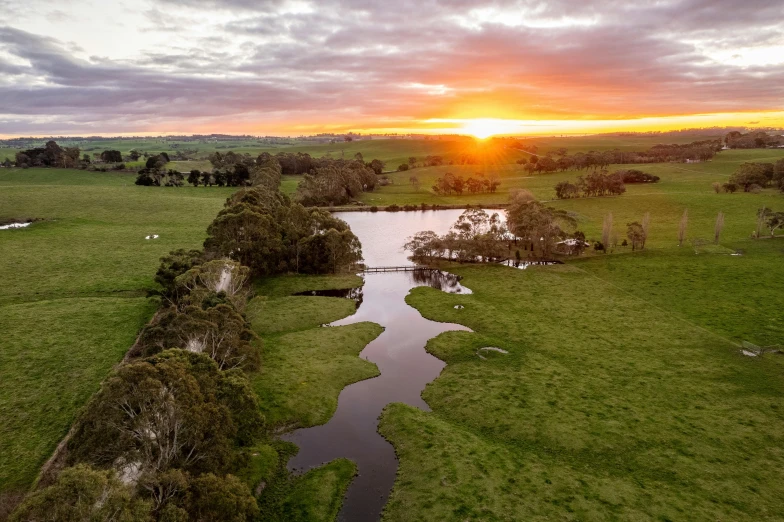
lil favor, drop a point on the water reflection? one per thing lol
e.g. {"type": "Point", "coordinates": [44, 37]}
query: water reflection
{"type": "Point", "coordinates": [355, 294]}
{"type": "Point", "coordinates": [522, 265]}
{"type": "Point", "coordinates": [444, 281]}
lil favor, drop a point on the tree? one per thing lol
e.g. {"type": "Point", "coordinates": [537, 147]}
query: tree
{"type": "Point", "coordinates": [111, 156]}
{"type": "Point", "coordinates": [415, 182]}
{"type": "Point", "coordinates": [635, 234]}
{"type": "Point", "coordinates": [718, 227]}
{"type": "Point", "coordinates": [157, 414]}
{"type": "Point", "coordinates": [535, 223]}
{"type": "Point", "coordinates": [194, 177]}
{"type": "Point", "coordinates": [566, 190]}
{"type": "Point", "coordinates": [751, 174]}
{"type": "Point", "coordinates": [682, 227]}
{"type": "Point", "coordinates": [412, 162]}
{"type": "Point", "coordinates": [716, 187]}
{"type": "Point", "coordinates": [264, 230]}
{"type": "Point", "coordinates": [134, 155]}
{"type": "Point", "coordinates": [424, 245]}
{"type": "Point", "coordinates": [402, 167]}
{"type": "Point", "coordinates": [377, 166]}
{"type": "Point", "coordinates": [81, 494]}
{"type": "Point", "coordinates": [646, 223]}
{"type": "Point", "coordinates": [773, 220]}
{"type": "Point", "coordinates": [213, 498]}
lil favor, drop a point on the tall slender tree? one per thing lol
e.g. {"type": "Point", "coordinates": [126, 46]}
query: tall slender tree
{"type": "Point", "coordinates": [646, 223]}
{"type": "Point", "coordinates": [682, 227]}
{"type": "Point", "coordinates": [718, 228]}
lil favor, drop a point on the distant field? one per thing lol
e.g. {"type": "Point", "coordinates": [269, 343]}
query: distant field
{"type": "Point", "coordinates": [72, 299]}
{"type": "Point", "coordinates": [392, 151]}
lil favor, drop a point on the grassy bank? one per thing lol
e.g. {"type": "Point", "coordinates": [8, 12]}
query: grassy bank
{"type": "Point", "coordinates": [73, 300]}
{"type": "Point", "coordinates": [623, 394]}
{"type": "Point", "coordinates": [304, 368]}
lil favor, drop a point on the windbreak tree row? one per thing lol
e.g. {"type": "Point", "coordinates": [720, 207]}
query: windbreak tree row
{"type": "Point", "coordinates": [172, 426]}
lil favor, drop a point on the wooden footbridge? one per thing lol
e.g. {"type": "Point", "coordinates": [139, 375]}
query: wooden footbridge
{"type": "Point", "coordinates": [410, 268]}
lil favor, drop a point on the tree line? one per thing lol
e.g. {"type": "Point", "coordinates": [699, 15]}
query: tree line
{"type": "Point", "coordinates": [164, 437]}
{"type": "Point", "coordinates": [752, 140]}
{"type": "Point", "coordinates": [450, 184]}
{"type": "Point", "coordinates": [53, 155]}
{"type": "Point", "coordinates": [597, 184]}
{"type": "Point", "coordinates": [559, 160]}
{"type": "Point", "coordinates": [530, 227]}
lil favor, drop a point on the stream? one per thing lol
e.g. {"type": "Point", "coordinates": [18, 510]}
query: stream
{"type": "Point", "coordinates": [399, 352]}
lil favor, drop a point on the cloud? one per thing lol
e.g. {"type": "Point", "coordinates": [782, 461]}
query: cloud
{"type": "Point", "coordinates": [290, 63]}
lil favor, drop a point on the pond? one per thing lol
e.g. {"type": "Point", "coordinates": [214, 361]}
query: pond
{"type": "Point", "coordinates": [399, 352]}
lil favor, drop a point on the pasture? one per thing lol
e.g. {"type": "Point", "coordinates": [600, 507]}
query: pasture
{"type": "Point", "coordinates": [624, 394]}
{"type": "Point", "coordinates": [73, 298]}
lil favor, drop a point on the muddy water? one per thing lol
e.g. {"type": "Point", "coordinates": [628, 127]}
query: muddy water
{"type": "Point", "coordinates": [398, 352]}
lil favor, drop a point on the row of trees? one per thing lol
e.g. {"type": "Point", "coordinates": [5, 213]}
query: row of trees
{"type": "Point", "coordinates": [162, 437]}
{"type": "Point", "coordinates": [602, 184]}
{"type": "Point", "coordinates": [450, 184]}
{"type": "Point", "coordinates": [336, 182]}
{"type": "Point", "coordinates": [300, 163]}
{"type": "Point", "coordinates": [53, 155]}
{"type": "Point", "coordinates": [752, 140]}
{"type": "Point", "coordinates": [262, 170]}
{"type": "Point", "coordinates": [561, 161]}
{"type": "Point", "coordinates": [477, 236]}
{"type": "Point", "coordinates": [595, 184]}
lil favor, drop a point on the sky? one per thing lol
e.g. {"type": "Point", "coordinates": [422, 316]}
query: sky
{"type": "Point", "coordinates": [291, 67]}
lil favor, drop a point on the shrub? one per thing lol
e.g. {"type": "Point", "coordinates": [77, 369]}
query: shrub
{"type": "Point", "coordinates": [402, 167]}
{"type": "Point", "coordinates": [374, 208]}
{"type": "Point", "coordinates": [598, 246]}
{"type": "Point", "coordinates": [393, 208]}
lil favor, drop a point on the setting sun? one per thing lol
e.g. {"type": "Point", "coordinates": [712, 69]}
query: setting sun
{"type": "Point", "coordinates": [486, 127]}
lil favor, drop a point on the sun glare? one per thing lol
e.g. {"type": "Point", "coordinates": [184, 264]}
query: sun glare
{"type": "Point", "coordinates": [485, 127]}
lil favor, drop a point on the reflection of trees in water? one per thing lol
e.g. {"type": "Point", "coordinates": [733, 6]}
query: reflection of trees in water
{"type": "Point", "coordinates": [355, 294]}
{"type": "Point", "coordinates": [437, 279]}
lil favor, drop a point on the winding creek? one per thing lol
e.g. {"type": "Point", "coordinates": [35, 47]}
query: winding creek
{"type": "Point", "coordinates": [399, 352]}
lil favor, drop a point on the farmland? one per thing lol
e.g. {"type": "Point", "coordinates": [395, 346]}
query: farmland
{"type": "Point", "coordinates": [623, 395]}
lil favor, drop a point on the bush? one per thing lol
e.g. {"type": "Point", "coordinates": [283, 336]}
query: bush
{"type": "Point", "coordinates": [374, 208]}
{"type": "Point", "coordinates": [393, 208]}
{"type": "Point", "coordinates": [754, 188]}
{"type": "Point", "coordinates": [598, 246]}
{"type": "Point", "coordinates": [402, 167]}
{"type": "Point", "coordinates": [625, 243]}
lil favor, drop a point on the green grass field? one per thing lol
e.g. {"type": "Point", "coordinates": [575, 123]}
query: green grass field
{"type": "Point", "coordinates": [623, 395]}
{"type": "Point", "coordinates": [73, 298]}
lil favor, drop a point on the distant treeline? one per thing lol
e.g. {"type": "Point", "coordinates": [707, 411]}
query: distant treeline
{"type": "Point", "coordinates": [561, 161]}
{"type": "Point", "coordinates": [53, 155]}
{"type": "Point", "coordinates": [752, 140]}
